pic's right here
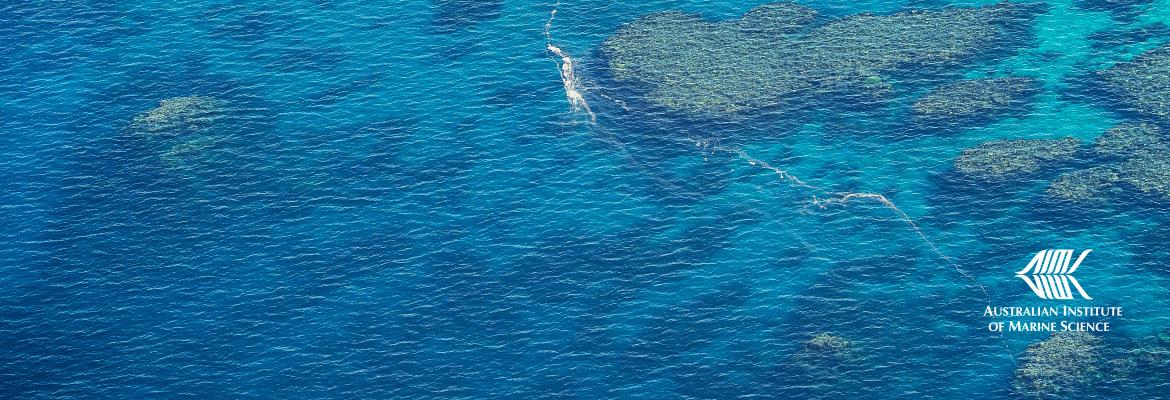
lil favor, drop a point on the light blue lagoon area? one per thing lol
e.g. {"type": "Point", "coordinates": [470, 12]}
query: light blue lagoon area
{"type": "Point", "coordinates": [465, 199]}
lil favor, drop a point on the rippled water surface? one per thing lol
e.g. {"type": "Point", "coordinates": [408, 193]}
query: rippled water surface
{"type": "Point", "coordinates": [401, 200]}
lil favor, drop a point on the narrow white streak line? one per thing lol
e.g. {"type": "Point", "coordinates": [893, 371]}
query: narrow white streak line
{"type": "Point", "coordinates": [843, 198]}
{"type": "Point", "coordinates": [574, 92]}
{"type": "Point", "coordinates": [568, 70]}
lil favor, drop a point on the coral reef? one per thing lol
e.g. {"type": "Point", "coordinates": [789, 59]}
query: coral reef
{"type": "Point", "coordinates": [976, 98]}
{"type": "Point", "coordinates": [1132, 139]}
{"type": "Point", "coordinates": [1001, 158]}
{"type": "Point", "coordinates": [826, 344]}
{"type": "Point", "coordinates": [777, 18]}
{"type": "Point", "coordinates": [1091, 184]}
{"type": "Point", "coordinates": [762, 59]}
{"type": "Point", "coordinates": [177, 115]}
{"type": "Point", "coordinates": [1059, 365]}
{"type": "Point", "coordinates": [184, 153]}
{"type": "Point", "coordinates": [1154, 352]}
{"type": "Point", "coordinates": [181, 130]}
{"type": "Point", "coordinates": [1143, 84]}
{"type": "Point", "coordinates": [1148, 174]}
{"type": "Point", "coordinates": [824, 350]}
{"type": "Point", "coordinates": [1135, 157]}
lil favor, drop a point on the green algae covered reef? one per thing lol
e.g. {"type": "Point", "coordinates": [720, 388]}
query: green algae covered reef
{"type": "Point", "coordinates": [1059, 365]}
{"type": "Point", "coordinates": [1003, 158]}
{"type": "Point", "coordinates": [972, 99]}
{"type": "Point", "coordinates": [775, 53]}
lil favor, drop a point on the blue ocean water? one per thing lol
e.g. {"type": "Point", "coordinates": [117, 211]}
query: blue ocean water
{"type": "Point", "coordinates": [401, 203]}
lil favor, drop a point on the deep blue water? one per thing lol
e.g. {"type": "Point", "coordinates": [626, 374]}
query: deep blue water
{"type": "Point", "coordinates": [402, 204]}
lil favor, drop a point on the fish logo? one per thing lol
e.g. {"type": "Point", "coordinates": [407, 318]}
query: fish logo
{"type": "Point", "coordinates": [1049, 274]}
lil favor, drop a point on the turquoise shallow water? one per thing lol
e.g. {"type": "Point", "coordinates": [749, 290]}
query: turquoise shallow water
{"type": "Point", "coordinates": [401, 203]}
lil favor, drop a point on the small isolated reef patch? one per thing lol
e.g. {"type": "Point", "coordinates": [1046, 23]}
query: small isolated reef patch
{"type": "Point", "coordinates": [1129, 160]}
{"type": "Point", "coordinates": [1085, 185]}
{"type": "Point", "coordinates": [181, 129]}
{"type": "Point", "coordinates": [1141, 86]}
{"type": "Point", "coordinates": [1133, 158]}
{"type": "Point", "coordinates": [1059, 365]}
{"type": "Point", "coordinates": [176, 116]}
{"type": "Point", "coordinates": [778, 53]}
{"type": "Point", "coordinates": [824, 350]}
{"type": "Point", "coordinates": [1001, 159]}
{"type": "Point", "coordinates": [1069, 365]}
{"type": "Point", "coordinates": [974, 100]}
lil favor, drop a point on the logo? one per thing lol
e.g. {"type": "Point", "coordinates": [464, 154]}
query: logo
{"type": "Point", "coordinates": [1050, 276]}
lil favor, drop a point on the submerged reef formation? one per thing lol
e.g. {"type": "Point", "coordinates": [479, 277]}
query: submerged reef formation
{"type": "Point", "coordinates": [824, 350]}
{"type": "Point", "coordinates": [772, 55]}
{"type": "Point", "coordinates": [1148, 174]}
{"type": "Point", "coordinates": [180, 130]}
{"type": "Point", "coordinates": [1132, 139]}
{"type": "Point", "coordinates": [1135, 158]}
{"type": "Point", "coordinates": [826, 344]}
{"type": "Point", "coordinates": [1001, 158]}
{"type": "Point", "coordinates": [1141, 368]}
{"type": "Point", "coordinates": [1090, 184]}
{"type": "Point", "coordinates": [1143, 84]}
{"type": "Point", "coordinates": [824, 357]}
{"type": "Point", "coordinates": [1140, 152]}
{"type": "Point", "coordinates": [1130, 158]}
{"type": "Point", "coordinates": [183, 153]}
{"type": "Point", "coordinates": [1072, 364]}
{"type": "Point", "coordinates": [968, 100]}
{"type": "Point", "coordinates": [1059, 365]}
{"type": "Point", "coordinates": [777, 18]}
{"type": "Point", "coordinates": [1153, 352]}
{"type": "Point", "coordinates": [177, 115]}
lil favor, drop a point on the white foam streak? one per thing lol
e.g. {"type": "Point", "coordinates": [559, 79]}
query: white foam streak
{"type": "Point", "coordinates": [843, 198]}
{"type": "Point", "coordinates": [568, 71]}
